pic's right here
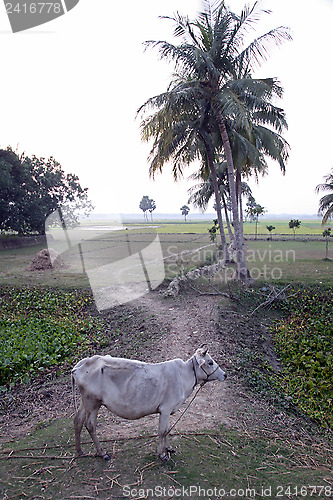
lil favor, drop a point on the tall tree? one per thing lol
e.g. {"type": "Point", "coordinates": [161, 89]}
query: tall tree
{"type": "Point", "coordinates": [327, 233]}
{"type": "Point", "coordinates": [182, 138]}
{"type": "Point", "coordinates": [326, 202]}
{"type": "Point", "coordinates": [254, 211]}
{"type": "Point", "coordinates": [185, 211]}
{"type": "Point", "coordinates": [144, 206]}
{"type": "Point", "coordinates": [31, 189]}
{"type": "Point", "coordinates": [294, 224]}
{"type": "Point", "coordinates": [208, 64]}
{"type": "Point", "coordinates": [152, 207]}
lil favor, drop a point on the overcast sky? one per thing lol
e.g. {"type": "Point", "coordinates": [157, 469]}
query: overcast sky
{"type": "Point", "coordinates": [70, 89]}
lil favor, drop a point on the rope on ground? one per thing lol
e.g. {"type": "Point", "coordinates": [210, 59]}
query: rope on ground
{"type": "Point", "coordinates": [11, 454]}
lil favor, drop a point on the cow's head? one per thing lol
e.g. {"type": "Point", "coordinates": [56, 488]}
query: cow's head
{"type": "Point", "coordinates": [207, 369]}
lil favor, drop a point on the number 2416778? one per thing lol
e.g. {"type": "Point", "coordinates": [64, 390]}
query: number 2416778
{"type": "Point", "coordinates": [33, 8]}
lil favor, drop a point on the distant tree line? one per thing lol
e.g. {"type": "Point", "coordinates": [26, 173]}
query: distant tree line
{"type": "Point", "coordinates": [31, 189]}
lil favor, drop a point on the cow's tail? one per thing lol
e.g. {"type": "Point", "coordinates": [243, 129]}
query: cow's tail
{"type": "Point", "coordinates": [73, 393]}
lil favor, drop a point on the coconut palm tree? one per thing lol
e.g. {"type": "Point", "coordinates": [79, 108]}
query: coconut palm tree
{"type": "Point", "coordinates": [326, 202]}
{"type": "Point", "coordinates": [183, 138]}
{"type": "Point", "coordinates": [250, 154]}
{"type": "Point", "coordinates": [208, 63]}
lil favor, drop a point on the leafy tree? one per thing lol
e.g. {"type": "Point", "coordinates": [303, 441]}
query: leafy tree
{"type": "Point", "coordinates": [326, 202]}
{"type": "Point", "coordinates": [31, 189]}
{"type": "Point", "coordinates": [327, 234]}
{"type": "Point", "coordinates": [144, 206]}
{"type": "Point", "coordinates": [152, 207]}
{"type": "Point", "coordinates": [270, 228]}
{"type": "Point", "coordinates": [208, 93]}
{"type": "Point", "coordinates": [12, 182]}
{"type": "Point", "coordinates": [254, 211]}
{"type": "Point", "coordinates": [294, 224]}
{"type": "Point", "coordinates": [213, 230]}
{"type": "Point", "coordinates": [185, 211]}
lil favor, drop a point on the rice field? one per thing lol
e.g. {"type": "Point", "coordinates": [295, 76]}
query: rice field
{"type": "Point", "coordinates": [180, 246]}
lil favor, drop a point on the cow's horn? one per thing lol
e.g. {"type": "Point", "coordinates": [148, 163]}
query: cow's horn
{"type": "Point", "coordinates": [204, 349]}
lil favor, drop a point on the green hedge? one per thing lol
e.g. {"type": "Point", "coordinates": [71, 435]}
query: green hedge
{"type": "Point", "coordinates": [304, 343]}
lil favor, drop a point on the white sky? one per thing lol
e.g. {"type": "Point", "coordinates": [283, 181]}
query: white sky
{"type": "Point", "coordinates": [70, 89]}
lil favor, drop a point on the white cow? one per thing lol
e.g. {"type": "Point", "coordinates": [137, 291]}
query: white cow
{"type": "Point", "coordinates": [132, 389]}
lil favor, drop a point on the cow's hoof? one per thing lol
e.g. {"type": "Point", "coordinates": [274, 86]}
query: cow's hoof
{"type": "Point", "coordinates": [105, 456]}
{"type": "Point", "coordinates": [164, 457]}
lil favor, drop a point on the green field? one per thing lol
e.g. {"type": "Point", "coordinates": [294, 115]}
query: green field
{"type": "Point", "coordinates": [184, 246]}
{"type": "Point", "coordinates": [310, 227]}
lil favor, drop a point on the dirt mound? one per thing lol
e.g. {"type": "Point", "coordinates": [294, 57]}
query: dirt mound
{"type": "Point", "coordinates": [47, 259]}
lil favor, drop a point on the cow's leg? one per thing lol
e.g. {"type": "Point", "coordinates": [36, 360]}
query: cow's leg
{"type": "Point", "coordinates": [91, 428]}
{"type": "Point", "coordinates": [163, 428]}
{"type": "Point", "coordinates": [169, 448]}
{"type": "Point", "coordinates": [78, 424]}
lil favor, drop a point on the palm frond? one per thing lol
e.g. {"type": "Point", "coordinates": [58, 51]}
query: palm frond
{"type": "Point", "coordinates": [258, 51]}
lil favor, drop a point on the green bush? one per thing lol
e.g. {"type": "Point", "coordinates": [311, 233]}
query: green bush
{"type": "Point", "coordinates": [40, 328]}
{"type": "Point", "coordinates": [304, 343]}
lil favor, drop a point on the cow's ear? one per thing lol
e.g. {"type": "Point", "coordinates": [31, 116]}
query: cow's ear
{"type": "Point", "coordinates": [202, 351]}
{"type": "Point", "coordinates": [199, 359]}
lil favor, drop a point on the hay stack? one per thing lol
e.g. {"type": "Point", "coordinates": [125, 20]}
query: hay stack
{"type": "Point", "coordinates": [47, 259]}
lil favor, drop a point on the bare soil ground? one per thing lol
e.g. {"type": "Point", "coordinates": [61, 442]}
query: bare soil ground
{"type": "Point", "coordinates": [188, 321]}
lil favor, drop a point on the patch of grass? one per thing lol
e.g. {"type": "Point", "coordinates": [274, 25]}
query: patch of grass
{"type": "Point", "coordinates": [289, 262]}
{"type": "Point", "coordinates": [305, 344]}
{"type": "Point", "coordinates": [41, 328]}
{"type": "Point", "coordinates": [298, 377]}
{"type": "Point", "coordinates": [221, 463]}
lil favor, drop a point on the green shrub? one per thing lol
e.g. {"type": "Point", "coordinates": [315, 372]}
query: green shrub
{"type": "Point", "coordinates": [305, 345]}
{"type": "Point", "coordinates": [40, 328]}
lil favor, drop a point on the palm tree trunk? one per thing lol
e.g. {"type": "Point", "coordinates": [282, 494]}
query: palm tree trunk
{"type": "Point", "coordinates": [239, 194]}
{"type": "Point", "coordinates": [243, 273]}
{"type": "Point", "coordinates": [218, 203]}
{"type": "Point", "coordinates": [231, 234]}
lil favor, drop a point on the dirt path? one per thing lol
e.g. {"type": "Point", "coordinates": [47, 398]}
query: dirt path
{"type": "Point", "coordinates": [190, 320]}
